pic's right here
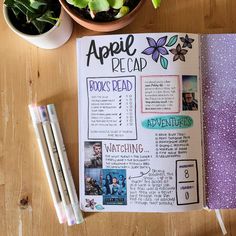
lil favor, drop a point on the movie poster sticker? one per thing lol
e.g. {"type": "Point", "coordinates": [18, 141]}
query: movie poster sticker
{"type": "Point", "coordinates": [93, 154]}
{"type": "Point", "coordinates": [114, 187]}
{"type": "Point", "coordinates": [93, 183]}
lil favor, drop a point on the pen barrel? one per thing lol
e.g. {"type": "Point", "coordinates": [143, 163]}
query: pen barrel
{"type": "Point", "coordinates": [67, 172]}
{"type": "Point", "coordinates": [49, 173]}
{"type": "Point", "coordinates": [56, 164]}
{"type": "Point", "coordinates": [47, 163]}
{"type": "Point", "coordinates": [78, 214]}
{"type": "Point", "coordinates": [64, 162]}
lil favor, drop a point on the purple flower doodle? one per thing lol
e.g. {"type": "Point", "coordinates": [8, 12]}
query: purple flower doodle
{"type": "Point", "coordinates": [156, 48]}
{"type": "Point", "coordinates": [90, 203]}
{"type": "Point", "coordinates": [187, 41]}
{"type": "Point", "coordinates": [178, 53]}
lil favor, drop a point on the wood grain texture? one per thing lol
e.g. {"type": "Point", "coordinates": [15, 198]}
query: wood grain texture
{"type": "Point", "coordinates": [29, 74]}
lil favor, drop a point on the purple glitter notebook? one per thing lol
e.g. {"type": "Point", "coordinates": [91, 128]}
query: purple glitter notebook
{"type": "Point", "coordinates": [218, 67]}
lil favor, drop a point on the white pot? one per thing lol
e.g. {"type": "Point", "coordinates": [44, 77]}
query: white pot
{"type": "Point", "coordinates": [54, 38]}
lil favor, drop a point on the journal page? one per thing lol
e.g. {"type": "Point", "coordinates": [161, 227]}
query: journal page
{"type": "Point", "coordinates": [219, 99]}
{"type": "Point", "coordinates": [139, 123]}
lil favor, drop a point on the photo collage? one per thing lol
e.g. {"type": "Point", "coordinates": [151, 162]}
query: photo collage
{"type": "Point", "coordinates": [110, 183]}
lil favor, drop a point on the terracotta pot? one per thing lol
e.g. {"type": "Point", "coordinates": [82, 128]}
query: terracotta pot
{"type": "Point", "coordinates": [54, 38]}
{"type": "Point", "coordinates": [102, 26]}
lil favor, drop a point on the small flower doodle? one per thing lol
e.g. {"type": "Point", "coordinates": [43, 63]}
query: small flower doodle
{"type": "Point", "coordinates": [90, 203]}
{"type": "Point", "coordinates": [178, 53]}
{"type": "Point", "coordinates": [156, 48]}
{"type": "Point", "coordinates": [187, 42]}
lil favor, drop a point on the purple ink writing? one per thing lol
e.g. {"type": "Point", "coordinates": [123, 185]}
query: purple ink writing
{"type": "Point", "coordinates": [107, 86]}
{"type": "Point", "coordinates": [99, 86]}
{"type": "Point", "coordinates": [131, 148]}
{"type": "Point", "coordinates": [121, 85]}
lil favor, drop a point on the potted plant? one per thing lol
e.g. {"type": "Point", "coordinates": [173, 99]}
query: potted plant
{"type": "Point", "coordinates": [41, 22]}
{"type": "Point", "coordinates": [104, 15]}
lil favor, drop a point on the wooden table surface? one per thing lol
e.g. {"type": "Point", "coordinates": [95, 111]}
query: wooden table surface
{"type": "Point", "coordinates": [29, 74]}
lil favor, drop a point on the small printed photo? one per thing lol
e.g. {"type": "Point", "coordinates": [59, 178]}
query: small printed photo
{"type": "Point", "coordinates": [114, 187]}
{"type": "Point", "coordinates": [190, 103]}
{"type": "Point", "coordinates": [189, 83]}
{"type": "Point", "coordinates": [93, 154]}
{"type": "Point", "coordinates": [93, 183]}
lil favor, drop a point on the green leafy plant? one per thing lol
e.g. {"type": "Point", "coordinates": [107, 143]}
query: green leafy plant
{"type": "Point", "coordinates": [116, 8]}
{"type": "Point", "coordinates": [38, 16]}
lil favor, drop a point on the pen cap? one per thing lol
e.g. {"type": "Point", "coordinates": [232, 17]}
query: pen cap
{"type": "Point", "coordinates": [52, 113]}
{"type": "Point", "coordinates": [43, 113]}
{"type": "Point", "coordinates": [60, 212]}
{"type": "Point", "coordinates": [70, 215]}
{"type": "Point", "coordinates": [78, 214]}
{"type": "Point", "coordinates": [34, 114]}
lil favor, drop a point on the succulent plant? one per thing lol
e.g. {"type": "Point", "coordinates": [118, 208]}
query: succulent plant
{"type": "Point", "coordinates": [38, 15]}
{"type": "Point", "coordinates": [119, 8]}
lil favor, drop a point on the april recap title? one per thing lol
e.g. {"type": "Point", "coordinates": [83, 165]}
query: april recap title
{"type": "Point", "coordinates": [112, 50]}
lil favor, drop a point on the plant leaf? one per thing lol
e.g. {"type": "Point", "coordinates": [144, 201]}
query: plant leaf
{"type": "Point", "coordinates": [9, 3]}
{"type": "Point", "coordinates": [156, 3]}
{"type": "Point", "coordinates": [98, 5]}
{"type": "Point", "coordinates": [31, 16]}
{"type": "Point", "coordinates": [116, 4]}
{"type": "Point", "coordinates": [164, 62]}
{"type": "Point", "coordinates": [39, 25]}
{"type": "Point", "coordinates": [172, 41]}
{"type": "Point", "coordinates": [78, 3]}
{"type": "Point", "coordinates": [16, 11]}
{"type": "Point", "coordinates": [26, 4]}
{"type": "Point", "coordinates": [20, 8]}
{"type": "Point", "coordinates": [37, 4]}
{"type": "Point", "coordinates": [122, 12]}
{"type": "Point", "coordinates": [48, 17]}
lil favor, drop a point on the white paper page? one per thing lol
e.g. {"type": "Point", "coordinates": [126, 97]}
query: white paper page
{"type": "Point", "coordinates": [140, 130]}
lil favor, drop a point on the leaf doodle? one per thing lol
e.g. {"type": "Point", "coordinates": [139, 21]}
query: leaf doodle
{"type": "Point", "coordinates": [172, 41]}
{"type": "Point", "coordinates": [164, 62]}
{"type": "Point", "coordinates": [99, 207]}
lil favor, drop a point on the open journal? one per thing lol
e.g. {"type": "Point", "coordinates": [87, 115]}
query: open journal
{"type": "Point", "coordinates": [157, 122]}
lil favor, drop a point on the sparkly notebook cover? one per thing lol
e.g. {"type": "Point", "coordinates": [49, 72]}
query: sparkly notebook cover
{"type": "Point", "coordinates": [218, 65]}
